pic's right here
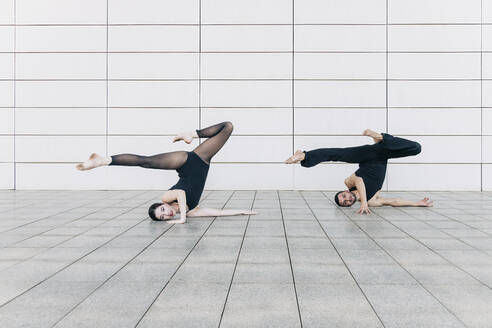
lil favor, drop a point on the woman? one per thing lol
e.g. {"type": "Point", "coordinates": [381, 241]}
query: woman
{"type": "Point", "coordinates": [192, 168]}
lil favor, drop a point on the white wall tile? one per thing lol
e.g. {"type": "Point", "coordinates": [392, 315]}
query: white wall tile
{"type": "Point", "coordinates": [486, 93]}
{"type": "Point", "coordinates": [58, 176]}
{"type": "Point", "coordinates": [61, 38]}
{"type": "Point", "coordinates": [340, 38]}
{"type": "Point", "coordinates": [434, 66]}
{"type": "Point", "coordinates": [146, 145]}
{"type": "Point", "coordinates": [6, 120]}
{"type": "Point", "coordinates": [58, 148]}
{"type": "Point", "coordinates": [250, 176]}
{"type": "Point", "coordinates": [153, 94]}
{"type": "Point", "coordinates": [6, 175]}
{"type": "Point", "coordinates": [434, 93]}
{"type": "Point", "coordinates": [61, 12]}
{"type": "Point", "coordinates": [60, 120]}
{"type": "Point", "coordinates": [487, 149]}
{"type": "Point", "coordinates": [255, 149]}
{"type": "Point", "coordinates": [246, 12]}
{"type": "Point", "coordinates": [152, 120]}
{"type": "Point", "coordinates": [323, 176]}
{"type": "Point", "coordinates": [246, 93]}
{"type": "Point", "coordinates": [314, 142]}
{"type": "Point", "coordinates": [487, 38]}
{"type": "Point", "coordinates": [487, 11]}
{"type": "Point", "coordinates": [246, 66]}
{"type": "Point", "coordinates": [7, 92]}
{"type": "Point", "coordinates": [60, 94]}
{"type": "Point", "coordinates": [153, 66]}
{"type": "Point", "coordinates": [153, 38]}
{"type": "Point", "coordinates": [60, 66]}
{"type": "Point", "coordinates": [434, 38]}
{"type": "Point", "coordinates": [411, 121]}
{"type": "Point", "coordinates": [433, 177]}
{"type": "Point", "coordinates": [7, 147]}
{"type": "Point", "coordinates": [7, 12]}
{"type": "Point", "coordinates": [487, 177]}
{"type": "Point", "coordinates": [340, 94]}
{"type": "Point", "coordinates": [262, 121]}
{"type": "Point", "coordinates": [487, 121]}
{"type": "Point", "coordinates": [6, 66]}
{"type": "Point", "coordinates": [246, 38]}
{"type": "Point", "coordinates": [340, 66]}
{"type": "Point", "coordinates": [443, 149]}
{"type": "Point", "coordinates": [339, 120]}
{"type": "Point", "coordinates": [121, 177]}
{"type": "Point", "coordinates": [340, 12]}
{"type": "Point", "coordinates": [487, 66]}
{"type": "Point", "coordinates": [434, 11]}
{"type": "Point", "coordinates": [7, 38]}
{"type": "Point", "coordinates": [153, 12]}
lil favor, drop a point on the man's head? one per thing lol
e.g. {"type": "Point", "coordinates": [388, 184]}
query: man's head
{"type": "Point", "coordinates": [161, 211]}
{"type": "Point", "coordinates": [345, 198]}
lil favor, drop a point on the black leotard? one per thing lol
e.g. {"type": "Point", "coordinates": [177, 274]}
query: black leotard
{"type": "Point", "coordinates": [192, 177]}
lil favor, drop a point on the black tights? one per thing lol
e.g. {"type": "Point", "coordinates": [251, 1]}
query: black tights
{"type": "Point", "coordinates": [217, 136]}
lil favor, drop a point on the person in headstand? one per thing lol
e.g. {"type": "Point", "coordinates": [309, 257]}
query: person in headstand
{"type": "Point", "coordinates": [192, 168]}
{"type": "Point", "coordinates": [365, 184]}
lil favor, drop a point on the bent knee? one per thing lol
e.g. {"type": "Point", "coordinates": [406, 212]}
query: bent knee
{"type": "Point", "coordinates": [417, 148]}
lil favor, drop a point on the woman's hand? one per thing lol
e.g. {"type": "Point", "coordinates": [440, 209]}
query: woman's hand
{"type": "Point", "coordinates": [364, 209]}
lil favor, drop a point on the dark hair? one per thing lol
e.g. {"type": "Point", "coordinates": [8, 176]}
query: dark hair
{"type": "Point", "coordinates": [336, 198]}
{"type": "Point", "coordinates": [152, 211]}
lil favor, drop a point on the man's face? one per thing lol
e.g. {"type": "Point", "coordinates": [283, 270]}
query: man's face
{"type": "Point", "coordinates": [346, 198]}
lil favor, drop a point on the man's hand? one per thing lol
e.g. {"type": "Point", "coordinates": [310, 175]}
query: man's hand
{"type": "Point", "coordinates": [364, 209]}
{"type": "Point", "coordinates": [426, 202]}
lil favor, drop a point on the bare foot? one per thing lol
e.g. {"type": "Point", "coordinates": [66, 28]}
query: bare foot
{"type": "Point", "coordinates": [185, 136]}
{"type": "Point", "coordinates": [298, 156]}
{"type": "Point", "coordinates": [377, 137]}
{"type": "Point", "coordinates": [94, 161]}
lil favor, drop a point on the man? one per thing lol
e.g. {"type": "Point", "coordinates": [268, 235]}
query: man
{"type": "Point", "coordinates": [365, 184]}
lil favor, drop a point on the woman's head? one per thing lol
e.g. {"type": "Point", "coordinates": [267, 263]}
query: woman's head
{"type": "Point", "coordinates": [345, 198]}
{"type": "Point", "coordinates": [161, 211]}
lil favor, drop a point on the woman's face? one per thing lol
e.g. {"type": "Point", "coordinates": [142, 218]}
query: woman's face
{"type": "Point", "coordinates": [165, 212]}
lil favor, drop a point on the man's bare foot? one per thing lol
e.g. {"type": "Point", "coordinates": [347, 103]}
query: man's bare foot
{"type": "Point", "coordinates": [185, 136]}
{"type": "Point", "coordinates": [377, 137]}
{"type": "Point", "coordinates": [94, 161]}
{"type": "Point", "coordinates": [426, 202]}
{"type": "Point", "coordinates": [298, 156]}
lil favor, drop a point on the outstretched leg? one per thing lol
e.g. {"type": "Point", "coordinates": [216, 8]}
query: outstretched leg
{"type": "Point", "coordinates": [359, 154]}
{"type": "Point", "coordinates": [166, 161]}
{"type": "Point", "coordinates": [217, 135]}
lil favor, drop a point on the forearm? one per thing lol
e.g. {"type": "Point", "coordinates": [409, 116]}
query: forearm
{"type": "Point", "coordinates": [361, 188]}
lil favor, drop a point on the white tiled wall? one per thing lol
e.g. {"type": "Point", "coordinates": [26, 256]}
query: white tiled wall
{"type": "Point", "coordinates": [111, 76]}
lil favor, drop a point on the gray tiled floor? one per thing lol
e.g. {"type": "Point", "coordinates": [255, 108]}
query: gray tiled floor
{"type": "Point", "coordinates": [94, 259]}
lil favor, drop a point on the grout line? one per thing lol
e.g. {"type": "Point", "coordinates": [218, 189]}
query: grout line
{"type": "Point", "coordinates": [78, 259]}
{"type": "Point", "coordinates": [237, 260]}
{"type": "Point", "coordinates": [181, 264]}
{"type": "Point", "coordinates": [396, 261]}
{"type": "Point", "coordinates": [341, 258]}
{"type": "Point", "coordinates": [200, 68]}
{"type": "Point", "coordinates": [481, 96]}
{"type": "Point", "coordinates": [290, 259]}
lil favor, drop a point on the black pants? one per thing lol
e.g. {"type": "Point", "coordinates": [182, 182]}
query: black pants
{"type": "Point", "coordinates": [390, 147]}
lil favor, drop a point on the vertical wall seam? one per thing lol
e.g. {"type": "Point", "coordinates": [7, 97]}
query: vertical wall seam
{"type": "Point", "coordinates": [386, 85]}
{"type": "Point", "coordinates": [15, 95]}
{"type": "Point", "coordinates": [293, 92]}
{"type": "Point", "coordinates": [199, 66]}
{"type": "Point", "coordinates": [107, 77]}
{"type": "Point", "coordinates": [481, 95]}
